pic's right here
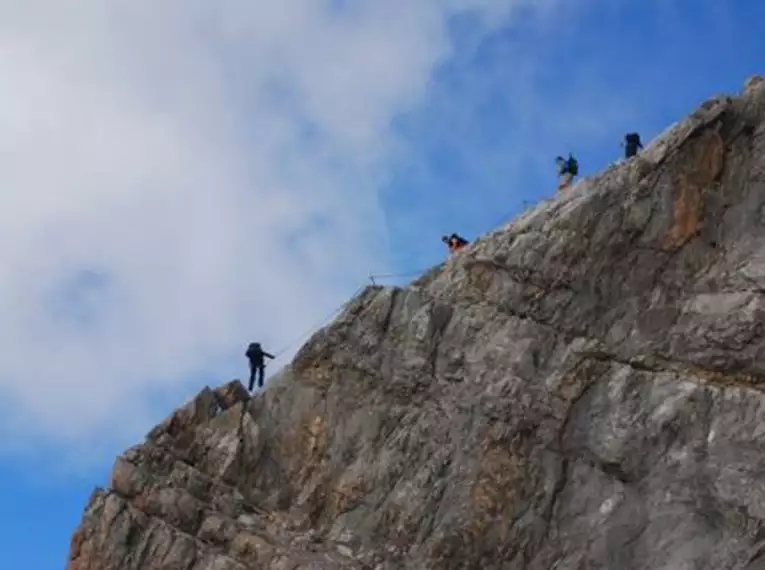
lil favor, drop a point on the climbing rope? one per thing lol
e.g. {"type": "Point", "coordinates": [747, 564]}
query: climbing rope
{"type": "Point", "coordinates": [373, 277]}
{"type": "Point", "coordinates": [316, 326]}
{"type": "Point", "coordinates": [338, 309]}
{"type": "Point", "coordinates": [514, 212]}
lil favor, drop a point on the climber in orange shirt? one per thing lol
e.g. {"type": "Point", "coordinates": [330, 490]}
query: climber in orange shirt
{"type": "Point", "coordinates": [455, 242]}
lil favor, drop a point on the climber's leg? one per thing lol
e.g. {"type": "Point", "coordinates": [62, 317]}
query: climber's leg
{"type": "Point", "coordinates": [565, 180]}
{"type": "Point", "coordinates": [252, 376]}
{"type": "Point", "coordinates": [261, 374]}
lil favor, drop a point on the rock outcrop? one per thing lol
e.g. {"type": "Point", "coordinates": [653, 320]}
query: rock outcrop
{"type": "Point", "coordinates": [582, 388]}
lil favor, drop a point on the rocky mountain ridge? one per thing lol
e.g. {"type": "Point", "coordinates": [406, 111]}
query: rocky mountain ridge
{"type": "Point", "coordinates": [581, 388]}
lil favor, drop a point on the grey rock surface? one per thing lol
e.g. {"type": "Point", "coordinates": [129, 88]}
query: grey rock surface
{"type": "Point", "coordinates": [581, 388]}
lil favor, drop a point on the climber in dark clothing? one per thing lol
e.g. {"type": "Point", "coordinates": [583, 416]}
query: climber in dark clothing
{"type": "Point", "coordinates": [567, 169]}
{"type": "Point", "coordinates": [631, 144]}
{"type": "Point", "coordinates": [455, 242]}
{"type": "Point", "coordinates": [256, 355]}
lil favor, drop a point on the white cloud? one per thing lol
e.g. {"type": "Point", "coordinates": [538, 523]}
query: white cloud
{"type": "Point", "coordinates": [181, 177]}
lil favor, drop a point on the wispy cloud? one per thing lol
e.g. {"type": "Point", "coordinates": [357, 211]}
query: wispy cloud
{"type": "Point", "coordinates": [181, 177]}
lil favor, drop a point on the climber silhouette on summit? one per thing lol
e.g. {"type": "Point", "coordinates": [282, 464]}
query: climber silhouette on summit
{"type": "Point", "coordinates": [256, 354]}
{"type": "Point", "coordinates": [631, 144]}
{"type": "Point", "coordinates": [567, 169]}
{"type": "Point", "coordinates": [455, 242]}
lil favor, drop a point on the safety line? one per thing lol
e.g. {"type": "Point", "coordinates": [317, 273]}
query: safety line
{"type": "Point", "coordinates": [372, 278]}
{"type": "Point", "coordinates": [514, 212]}
{"type": "Point", "coordinates": [316, 326]}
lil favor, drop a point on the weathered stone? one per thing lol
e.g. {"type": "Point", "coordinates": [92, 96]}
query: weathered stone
{"type": "Point", "coordinates": [581, 388]}
{"type": "Point", "coordinates": [217, 530]}
{"type": "Point", "coordinates": [753, 82]}
{"type": "Point", "coordinates": [231, 394]}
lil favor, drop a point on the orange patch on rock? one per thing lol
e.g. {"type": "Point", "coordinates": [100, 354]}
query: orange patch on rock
{"type": "Point", "coordinates": [702, 164]}
{"type": "Point", "coordinates": [688, 213]}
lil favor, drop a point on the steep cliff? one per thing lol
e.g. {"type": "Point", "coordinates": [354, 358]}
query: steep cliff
{"type": "Point", "coordinates": [582, 388]}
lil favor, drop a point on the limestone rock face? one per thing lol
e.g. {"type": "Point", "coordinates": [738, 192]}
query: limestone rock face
{"type": "Point", "coordinates": [582, 388]}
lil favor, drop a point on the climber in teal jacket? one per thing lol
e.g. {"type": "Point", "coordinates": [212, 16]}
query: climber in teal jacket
{"type": "Point", "coordinates": [567, 169]}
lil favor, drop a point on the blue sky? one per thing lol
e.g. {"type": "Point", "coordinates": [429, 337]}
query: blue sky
{"type": "Point", "coordinates": [241, 179]}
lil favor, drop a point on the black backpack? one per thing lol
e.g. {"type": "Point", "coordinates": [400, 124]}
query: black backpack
{"type": "Point", "coordinates": [573, 165]}
{"type": "Point", "coordinates": [632, 139]}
